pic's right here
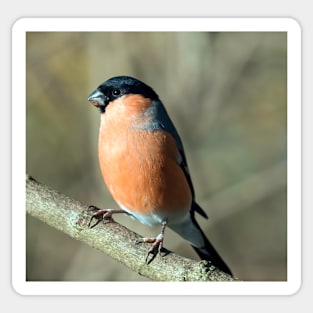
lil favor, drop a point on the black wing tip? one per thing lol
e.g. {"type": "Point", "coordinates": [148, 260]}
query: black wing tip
{"type": "Point", "coordinates": [196, 207]}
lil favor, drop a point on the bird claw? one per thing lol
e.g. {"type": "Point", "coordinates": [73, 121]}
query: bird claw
{"type": "Point", "coordinates": [100, 215]}
{"type": "Point", "coordinates": [153, 253]}
{"type": "Point", "coordinates": [157, 246]}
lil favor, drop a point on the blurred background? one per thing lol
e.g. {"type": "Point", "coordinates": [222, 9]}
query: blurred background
{"type": "Point", "coordinates": [227, 96]}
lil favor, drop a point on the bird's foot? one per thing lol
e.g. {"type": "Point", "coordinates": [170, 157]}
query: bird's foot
{"type": "Point", "coordinates": [101, 215]}
{"type": "Point", "coordinates": [157, 244]}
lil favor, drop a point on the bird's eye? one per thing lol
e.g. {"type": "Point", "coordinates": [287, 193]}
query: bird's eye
{"type": "Point", "coordinates": [116, 92]}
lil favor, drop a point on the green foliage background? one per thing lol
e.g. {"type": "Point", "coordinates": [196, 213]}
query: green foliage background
{"type": "Point", "coordinates": [227, 95]}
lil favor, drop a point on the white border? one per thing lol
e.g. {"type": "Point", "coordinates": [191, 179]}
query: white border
{"type": "Point", "coordinates": [155, 24]}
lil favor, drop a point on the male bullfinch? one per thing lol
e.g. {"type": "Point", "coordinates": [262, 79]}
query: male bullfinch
{"type": "Point", "coordinates": [144, 166]}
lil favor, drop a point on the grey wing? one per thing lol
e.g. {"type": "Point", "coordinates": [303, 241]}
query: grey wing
{"type": "Point", "coordinates": [163, 121]}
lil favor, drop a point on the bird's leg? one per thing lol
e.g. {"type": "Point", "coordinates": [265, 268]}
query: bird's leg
{"type": "Point", "coordinates": [101, 214]}
{"type": "Point", "coordinates": [157, 242]}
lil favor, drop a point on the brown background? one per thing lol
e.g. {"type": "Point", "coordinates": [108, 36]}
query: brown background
{"type": "Point", "coordinates": [227, 95]}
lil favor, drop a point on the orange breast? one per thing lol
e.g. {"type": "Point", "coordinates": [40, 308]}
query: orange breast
{"type": "Point", "coordinates": [140, 167]}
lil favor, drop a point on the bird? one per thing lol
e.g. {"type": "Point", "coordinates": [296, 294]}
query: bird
{"type": "Point", "coordinates": [144, 166]}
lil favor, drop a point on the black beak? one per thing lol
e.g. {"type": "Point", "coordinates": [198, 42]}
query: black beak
{"type": "Point", "coordinates": [97, 98]}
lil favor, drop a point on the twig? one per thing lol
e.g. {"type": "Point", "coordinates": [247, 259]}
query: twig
{"type": "Point", "coordinates": [72, 217]}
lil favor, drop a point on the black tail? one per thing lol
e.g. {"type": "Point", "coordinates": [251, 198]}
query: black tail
{"type": "Point", "coordinates": [211, 255]}
{"type": "Point", "coordinates": [208, 252]}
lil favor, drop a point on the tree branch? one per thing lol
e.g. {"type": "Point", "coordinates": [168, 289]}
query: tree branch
{"type": "Point", "coordinates": [71, 217]}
